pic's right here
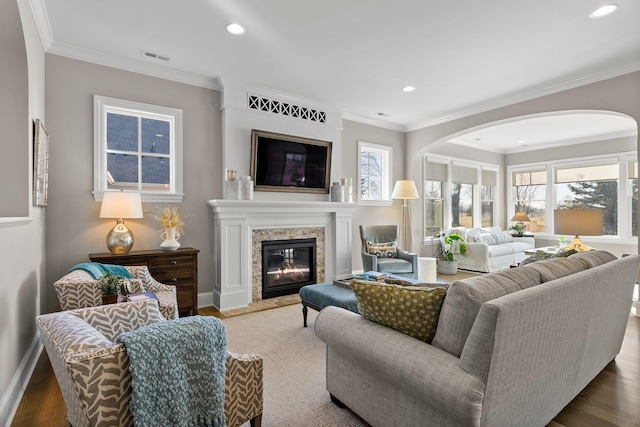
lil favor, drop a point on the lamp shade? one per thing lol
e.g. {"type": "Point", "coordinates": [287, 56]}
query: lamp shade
{"type": "Point", "coordinates": [584, 222]}
{"type": "Point", "coordinates": [118, 204]}
{"type": "Point", "coordinates": [520, 217]}
{"type": "Point", "coordinates": [405, 189]}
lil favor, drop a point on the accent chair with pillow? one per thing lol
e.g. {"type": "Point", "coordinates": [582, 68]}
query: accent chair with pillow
{"type": "Point", "coordinates": [380, 251]}
{"type": "Point", "coordinates": [103, 356]}
{"type": "Point", "coordinates": [79, 288]}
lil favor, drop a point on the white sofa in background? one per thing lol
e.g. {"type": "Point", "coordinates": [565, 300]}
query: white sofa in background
{"type": "Point", "coordinates": [491, 249]}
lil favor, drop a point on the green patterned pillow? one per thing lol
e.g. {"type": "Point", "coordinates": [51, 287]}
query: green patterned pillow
{"type": "Point", "coordinates": [411, 310]}
{"type": "Point", "coordinates": [382, 250]}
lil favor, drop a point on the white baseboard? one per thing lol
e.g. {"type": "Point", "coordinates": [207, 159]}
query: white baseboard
{"type": "Point", "coordinates": [205, 299]}
{"type": "Point", "coordinates": [12, 396]}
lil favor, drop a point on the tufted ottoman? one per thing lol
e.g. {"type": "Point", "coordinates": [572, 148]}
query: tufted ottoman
{"type": "Point", "coordinates": [325, 294]}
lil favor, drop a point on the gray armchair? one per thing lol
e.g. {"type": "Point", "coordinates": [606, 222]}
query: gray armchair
{"type": "Point", "coordinates": [402, 263]}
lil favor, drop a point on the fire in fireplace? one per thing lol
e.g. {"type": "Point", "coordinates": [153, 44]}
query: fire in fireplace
{"type": "Point", "coordinates": [287, 265]}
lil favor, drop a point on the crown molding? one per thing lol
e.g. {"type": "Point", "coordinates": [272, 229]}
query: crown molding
{"type": "Point", "coordinates": [134, 65]}
{"type": "Point", "coordinates": [375, 122]}
{"type": "Point", "coordinates": [529, 95]}
{"type": "Point", "coordinates": [39, 12]}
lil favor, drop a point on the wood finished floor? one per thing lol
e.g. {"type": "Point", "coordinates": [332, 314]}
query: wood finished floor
{"type": "Point", "coordinates": [611, 399]}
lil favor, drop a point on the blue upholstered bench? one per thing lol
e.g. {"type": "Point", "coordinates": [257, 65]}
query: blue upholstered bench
{"type": "Point", "coordinates": [324, 294]}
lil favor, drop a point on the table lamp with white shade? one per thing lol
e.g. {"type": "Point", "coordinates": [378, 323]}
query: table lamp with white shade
{"type": "Point", "coordinates": [405, 190]}
{"type": "Point", "coordinates": [586, 222]}
{"type": "Point", "coordinates": [120, 205]}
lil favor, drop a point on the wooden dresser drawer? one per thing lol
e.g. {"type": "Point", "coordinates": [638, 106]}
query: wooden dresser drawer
{"type": "Point", "coordinates": [178, 278]}
{"type": "Point", "coordinates": [172, 263]}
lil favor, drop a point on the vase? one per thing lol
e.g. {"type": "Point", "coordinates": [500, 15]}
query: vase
{"type": "Point", "coordinates": [245, 188]}
{"type": "Point", "coordinates": [447, 267]}
{"type": "Point", "coordinates": [337, 192]}
{"type": "Point", "coordinates": [170, 237]}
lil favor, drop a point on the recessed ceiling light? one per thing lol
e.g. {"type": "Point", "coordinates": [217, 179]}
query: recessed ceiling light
{"type": "Point", "coordinates": [235, 29]}
{"type": "Point", "coordinates": [408, 89]}
{"type": "Point", "coordinates": [522, 142]}
{"type": "Point", "coordinates": [603, 11]}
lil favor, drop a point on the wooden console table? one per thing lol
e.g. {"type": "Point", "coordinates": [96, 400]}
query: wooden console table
{"type": "Point", "coordinates": [178, 268]}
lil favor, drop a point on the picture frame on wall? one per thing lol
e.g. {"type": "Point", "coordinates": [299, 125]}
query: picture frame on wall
{"type": "Point", "coordinates": [40, 164]}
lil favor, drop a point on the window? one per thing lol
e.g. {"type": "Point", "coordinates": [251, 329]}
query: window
{"type": "Point", "coordinates": [487, 195]}
{"type": "Point", "coordinates": [137, 147]}
{"type": "Point", "coordinates": [529, 196]}
{"type": "Point", "coordinates": [433, 205]}
{"type": "Point", "coordinates": [590, 187]}
{"type": "Point", "coordinates": [435, 179]}
{"type": "Point", "coordinates": [463, 180]}
{"type": "Point", "coordinates": [607, 182]}
{"type": "Point", "coordinates": [632, 175]}
{"type": "Point", "coordinates": [374, 173]}
{"type": "Point", "coordinates": [458, 193]}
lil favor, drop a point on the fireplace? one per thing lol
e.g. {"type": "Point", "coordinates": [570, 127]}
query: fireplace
{"type": "Point", "coordinates": [287, 265]}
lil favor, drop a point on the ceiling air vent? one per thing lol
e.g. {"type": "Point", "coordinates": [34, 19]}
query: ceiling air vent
{"type": "Point", "coordinates": [155, 55]}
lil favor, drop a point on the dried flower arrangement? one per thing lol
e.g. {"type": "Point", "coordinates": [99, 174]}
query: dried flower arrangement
{"type": "Point", "coordinates": [170, 217]}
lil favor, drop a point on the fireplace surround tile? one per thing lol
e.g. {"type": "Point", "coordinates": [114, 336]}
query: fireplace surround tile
{"type": "Point", "coordinates": [259, 236]}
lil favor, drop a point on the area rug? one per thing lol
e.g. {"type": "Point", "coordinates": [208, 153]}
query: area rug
{"type": "Point", "coordinates": [294, 368]}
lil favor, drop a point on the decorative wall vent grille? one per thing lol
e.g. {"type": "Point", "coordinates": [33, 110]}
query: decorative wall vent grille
{"type": "Point", "coordinates": [286, 109]}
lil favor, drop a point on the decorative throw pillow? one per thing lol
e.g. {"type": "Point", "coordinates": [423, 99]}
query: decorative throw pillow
{"type": "Point", "coordinates": [411, 310]}
{"type": "Point", "coordinates": [506, 237]}
{"type": "Point", "coordinates": [493, 239]}
{"type": "Point", "coordinates": [382, 250]}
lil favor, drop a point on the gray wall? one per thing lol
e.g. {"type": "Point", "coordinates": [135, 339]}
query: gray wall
{"type": "Point", "coordinates": [22, 288]}
{"type": "Point", "coordinates": [73, 227]}
{"type": "Point", "coordinates": [372, 215]}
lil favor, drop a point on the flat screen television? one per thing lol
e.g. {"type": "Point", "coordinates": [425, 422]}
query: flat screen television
{"type": "Point", "coordinates": [289, 163]}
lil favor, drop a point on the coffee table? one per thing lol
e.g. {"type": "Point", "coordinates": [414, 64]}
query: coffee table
{"type": "Point", "coordinates": [545, 249]}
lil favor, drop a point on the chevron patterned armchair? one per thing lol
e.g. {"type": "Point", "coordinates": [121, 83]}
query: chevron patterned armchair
{"type": "Point", "coordinates": [78, 289]}
{"type": "Point", "coordinates": [93, 371]}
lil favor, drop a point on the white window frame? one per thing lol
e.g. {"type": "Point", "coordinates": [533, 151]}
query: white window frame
{"type": "Point", "coordinates": [624, 210]}
{"type": "Point", "coordinates": [387, 173]}
{"type": "Point", "coordinates": [477, 203]}
{"type": "Point", "coordinates": [103, 105]}
{"type": "Point", "coordinates": [494, 194]}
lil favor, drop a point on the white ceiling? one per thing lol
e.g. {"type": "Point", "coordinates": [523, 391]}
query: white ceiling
{"type": "Point", "coordinates": [463, 57]}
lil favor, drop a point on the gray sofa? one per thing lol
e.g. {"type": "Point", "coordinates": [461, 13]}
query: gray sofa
{"type": "Point", "coordinates": [512, 348]}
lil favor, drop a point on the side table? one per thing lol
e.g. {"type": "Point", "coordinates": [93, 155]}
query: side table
{"type": "Point", "coordinates": [178, 268]}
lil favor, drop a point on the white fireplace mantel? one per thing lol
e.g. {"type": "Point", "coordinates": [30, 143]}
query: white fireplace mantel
{"type": "Point", "coordinates": [234, 221]}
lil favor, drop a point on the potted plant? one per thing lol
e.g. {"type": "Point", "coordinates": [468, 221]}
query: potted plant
{"type": "Point", "coordinates": [447, 262]}
{"type": "Point", "coordinates": [110, 286]}
{"type": "Point", "coordinates": [562, 241]}
{"type": "Point", "coordinates": [519, 229]}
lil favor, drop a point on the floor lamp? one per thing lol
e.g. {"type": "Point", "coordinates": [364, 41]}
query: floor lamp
{"type": "Point", "coordinates": [405, 190]}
